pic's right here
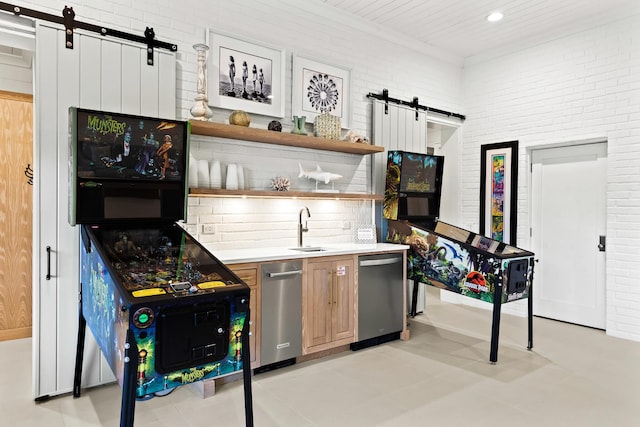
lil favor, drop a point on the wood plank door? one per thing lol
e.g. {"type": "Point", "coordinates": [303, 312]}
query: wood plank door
{"type": "Point", "coordinates": [102, 74]}
{"type": "Point", "coordinates": [16, 212]}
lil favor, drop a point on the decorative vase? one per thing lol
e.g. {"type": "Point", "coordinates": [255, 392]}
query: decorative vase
{"type": "Point", "coordinates": [215, 177]}
{"type": "Point", "coordinates": [327, 126]}
{"type": "Point", "coordinates": [201, 110]}
{"type": "Point", "coordinates": [240, 177]}
{"type": "Point", "coordinates": [239, 118]}
{"type": "Point", "coordinates": [203, 174]}
{"type": "Point", "coordinates": [298, 125]}
{"type": "Point", "coordinates": [232, 177]}
{"type": "Point", "coordinates": [275, 126]}
{"type": "Point", "coordinates": [193, 172]}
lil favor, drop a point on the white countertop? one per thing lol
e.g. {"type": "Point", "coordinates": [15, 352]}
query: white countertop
{"type": "Point", "coordinates": [237, 256]}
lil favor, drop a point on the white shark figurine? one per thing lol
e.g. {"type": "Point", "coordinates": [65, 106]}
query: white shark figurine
{"type": "Point", "coordinates": [318, 175]}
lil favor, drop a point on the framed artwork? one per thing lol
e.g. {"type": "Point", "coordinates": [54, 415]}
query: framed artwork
{"type": "Point", "coordinates": [319, 88]}
{"type": "Point", "coordinates": [499, 191]}
{"type": "Point", "coordinates": [244, 75]}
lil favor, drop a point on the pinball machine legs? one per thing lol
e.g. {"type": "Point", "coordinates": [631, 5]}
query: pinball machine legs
{"type": "Point", "coordinates": [128, 404]}
{"type": "Point", "coordinates": [246, 373]}
{"type": "Point", "coordinates": [127, 409]}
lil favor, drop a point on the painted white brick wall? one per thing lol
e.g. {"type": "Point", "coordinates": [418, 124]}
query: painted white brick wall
{"type": "Point", "coordinates": [299, 28]}
{"type": "Point", "coordinates": [575, 88]}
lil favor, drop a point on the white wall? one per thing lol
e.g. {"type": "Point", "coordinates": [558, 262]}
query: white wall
{"type": "Point", "coordinates": [303, 29]}
{"type": "Point", "coordinates": [575, 88]}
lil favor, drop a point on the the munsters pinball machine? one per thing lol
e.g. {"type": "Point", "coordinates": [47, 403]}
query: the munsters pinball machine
{"type": "Point", "coordinates": [163, 310]}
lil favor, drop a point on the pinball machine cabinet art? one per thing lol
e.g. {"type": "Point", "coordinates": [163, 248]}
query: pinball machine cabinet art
{"type": "Point", "coordinates": [460, 261]}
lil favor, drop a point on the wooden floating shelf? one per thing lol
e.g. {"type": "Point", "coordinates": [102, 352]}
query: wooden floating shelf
{"type": "Point", "coordinates": [243, 133]}
{"type": "Point", "coordinates": [209, 192]}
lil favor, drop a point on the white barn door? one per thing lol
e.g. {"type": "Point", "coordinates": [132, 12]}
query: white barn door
{"type": "Point", "coordinates": [102, 74]}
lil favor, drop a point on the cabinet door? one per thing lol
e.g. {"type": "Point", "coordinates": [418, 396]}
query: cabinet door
{"type": "Point", "coordinates": [318, 304]}
{"type": "Point", "coordinates": [249, 275]}
{"type": "Point", "coordinates": [343, 315]}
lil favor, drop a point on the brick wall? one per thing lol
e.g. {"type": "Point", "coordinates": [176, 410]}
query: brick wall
{"type": "Point", "coordinates": [306, 30]}
{"type": "Point", "coordinates": [576, 88]}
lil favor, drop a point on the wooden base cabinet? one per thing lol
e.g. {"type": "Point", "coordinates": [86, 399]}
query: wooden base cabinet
{"type": "Point", "coordinates": [250, 275]}
{"type": "Point", "coordinates": [329, 303]}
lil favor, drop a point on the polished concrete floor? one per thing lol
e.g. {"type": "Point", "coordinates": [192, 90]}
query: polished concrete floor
{"type": "Point", "coordinates": [574, 376]}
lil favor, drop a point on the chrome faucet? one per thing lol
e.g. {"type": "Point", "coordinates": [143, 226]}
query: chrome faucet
{"type": "Point", "coordinates": [301, 228]}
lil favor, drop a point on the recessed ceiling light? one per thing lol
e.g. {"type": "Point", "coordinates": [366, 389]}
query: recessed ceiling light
{"type": "Point", "coordinates": [495, 16]}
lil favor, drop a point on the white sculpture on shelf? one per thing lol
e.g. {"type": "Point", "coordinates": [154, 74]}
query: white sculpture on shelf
{"type": "Point", "coordinates": [318, 175]}
{"type": "Point", "coordinates": [201, 110]}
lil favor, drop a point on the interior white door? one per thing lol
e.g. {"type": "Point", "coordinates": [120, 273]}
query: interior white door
{"type": "Point", "coordinates": [568, 218]}
{"type": "Point", "coordinates": [102, 74]}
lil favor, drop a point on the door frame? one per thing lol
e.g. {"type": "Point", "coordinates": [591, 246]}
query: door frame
{"type": "Point", "coordinates": [529, 159]}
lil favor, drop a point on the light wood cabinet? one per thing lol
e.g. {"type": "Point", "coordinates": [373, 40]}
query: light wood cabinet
{"type": "Point", "coordinates": [250, 275]}
{"type": "Point", "coordinates": [329, 303]}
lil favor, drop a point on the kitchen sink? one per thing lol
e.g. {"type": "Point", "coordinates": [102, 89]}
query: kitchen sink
{"type": "Point", "coordinates": [309, 249]}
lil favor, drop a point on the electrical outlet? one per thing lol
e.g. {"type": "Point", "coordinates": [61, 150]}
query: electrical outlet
{"type": "Point", "coordinates": [346, 225]}
{"type": "Point", "coordinates": [209, 228]}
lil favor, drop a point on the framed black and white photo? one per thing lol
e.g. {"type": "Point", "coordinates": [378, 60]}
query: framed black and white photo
{"type": "Point", "coordinates": [319, 88]}
{"type": "Point", "coordinates": [245, 75]}
{"type": "Point", "coordinates": [499, 191]}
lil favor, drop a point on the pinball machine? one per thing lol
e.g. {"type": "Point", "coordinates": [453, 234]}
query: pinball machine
{"type": "Point", "coordinates": [445, 256]}
{"type": "Point", "coordinates": [164, 311]}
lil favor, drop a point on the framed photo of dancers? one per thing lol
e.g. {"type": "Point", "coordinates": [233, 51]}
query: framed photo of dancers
{"type": "Point", "coordinates": [321, 88]}
{"type": "Point", "coordinates": [245, 75]}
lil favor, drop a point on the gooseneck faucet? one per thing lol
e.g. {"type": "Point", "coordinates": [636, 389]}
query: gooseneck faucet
{"type": "Point", "coordinates": [301, 228]}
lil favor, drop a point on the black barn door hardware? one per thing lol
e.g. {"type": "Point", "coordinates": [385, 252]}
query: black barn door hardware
{"type": "Point", "coordinates": [413, 104]}
{"type": "Point", "coordinates": [70, 24]}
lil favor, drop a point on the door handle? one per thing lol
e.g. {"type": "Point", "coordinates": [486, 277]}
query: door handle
{"type": "Point", "coordinates": [602, 245]}
{"type": "Point", "coordinates": [284, 273]}
{"type": "Point", "coordinates": [48, 277]}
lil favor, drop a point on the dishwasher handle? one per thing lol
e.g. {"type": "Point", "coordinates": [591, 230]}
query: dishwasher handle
{"type": "Point", "coordinates": [377, 262]}
{"type": "Point", "coordinates": [284, 274]}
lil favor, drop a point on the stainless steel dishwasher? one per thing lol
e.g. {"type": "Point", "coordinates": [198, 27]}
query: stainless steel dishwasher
{"type": "Point", "coordinates": [281, 313]}
{"type": "Point", "coordinates": [380, 299]}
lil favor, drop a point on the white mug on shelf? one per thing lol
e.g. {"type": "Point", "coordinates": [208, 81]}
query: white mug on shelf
{"type": "Point", "coordinates": [232, 177]}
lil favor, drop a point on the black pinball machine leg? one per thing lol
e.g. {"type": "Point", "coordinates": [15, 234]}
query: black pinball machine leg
{"type": "Point", "coordinates": [414, 299]}
{"type": "Point", "coordinates": [495, 325]}
{"type": "Point", "coordinates": [128, 405]}
{"type": "Point", "coordinates": [246, 373]}
{"type": "Point", "coordinates": [82, 327]}
{"type": "Point", "coordinates": [530, 317]}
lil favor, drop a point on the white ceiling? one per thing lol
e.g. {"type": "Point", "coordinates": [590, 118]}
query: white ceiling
{"type": "Point", "coordinates": [459, 28]}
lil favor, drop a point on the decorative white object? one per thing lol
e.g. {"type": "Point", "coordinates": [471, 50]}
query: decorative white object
{"type": "Point", "coordinates": [318, 174]}
{"type": "Point", "coordinates": [240, 177]}
{"type": "Point", "coordinates": [353, 136]}
{"type": "Point", "coordinates": [203, 174]}
{"type": "Point", "coordinates": [232, 177]}
{"type": "Point", "coordinates": [201, 110]}
{"type": "Point", "coordinates": [215, 177]}
{"type": "Point", "coordinates": [193, 172]}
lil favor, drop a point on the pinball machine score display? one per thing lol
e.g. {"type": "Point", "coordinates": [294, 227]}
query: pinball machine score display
{"type": "Point", "coordinates": [163, 310]}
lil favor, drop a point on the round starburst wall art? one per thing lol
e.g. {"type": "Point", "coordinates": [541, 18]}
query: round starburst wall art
{"type": "Point", "coordinates": [323, 93]}
{"type": "Point", "coordinates": [320, 89]}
